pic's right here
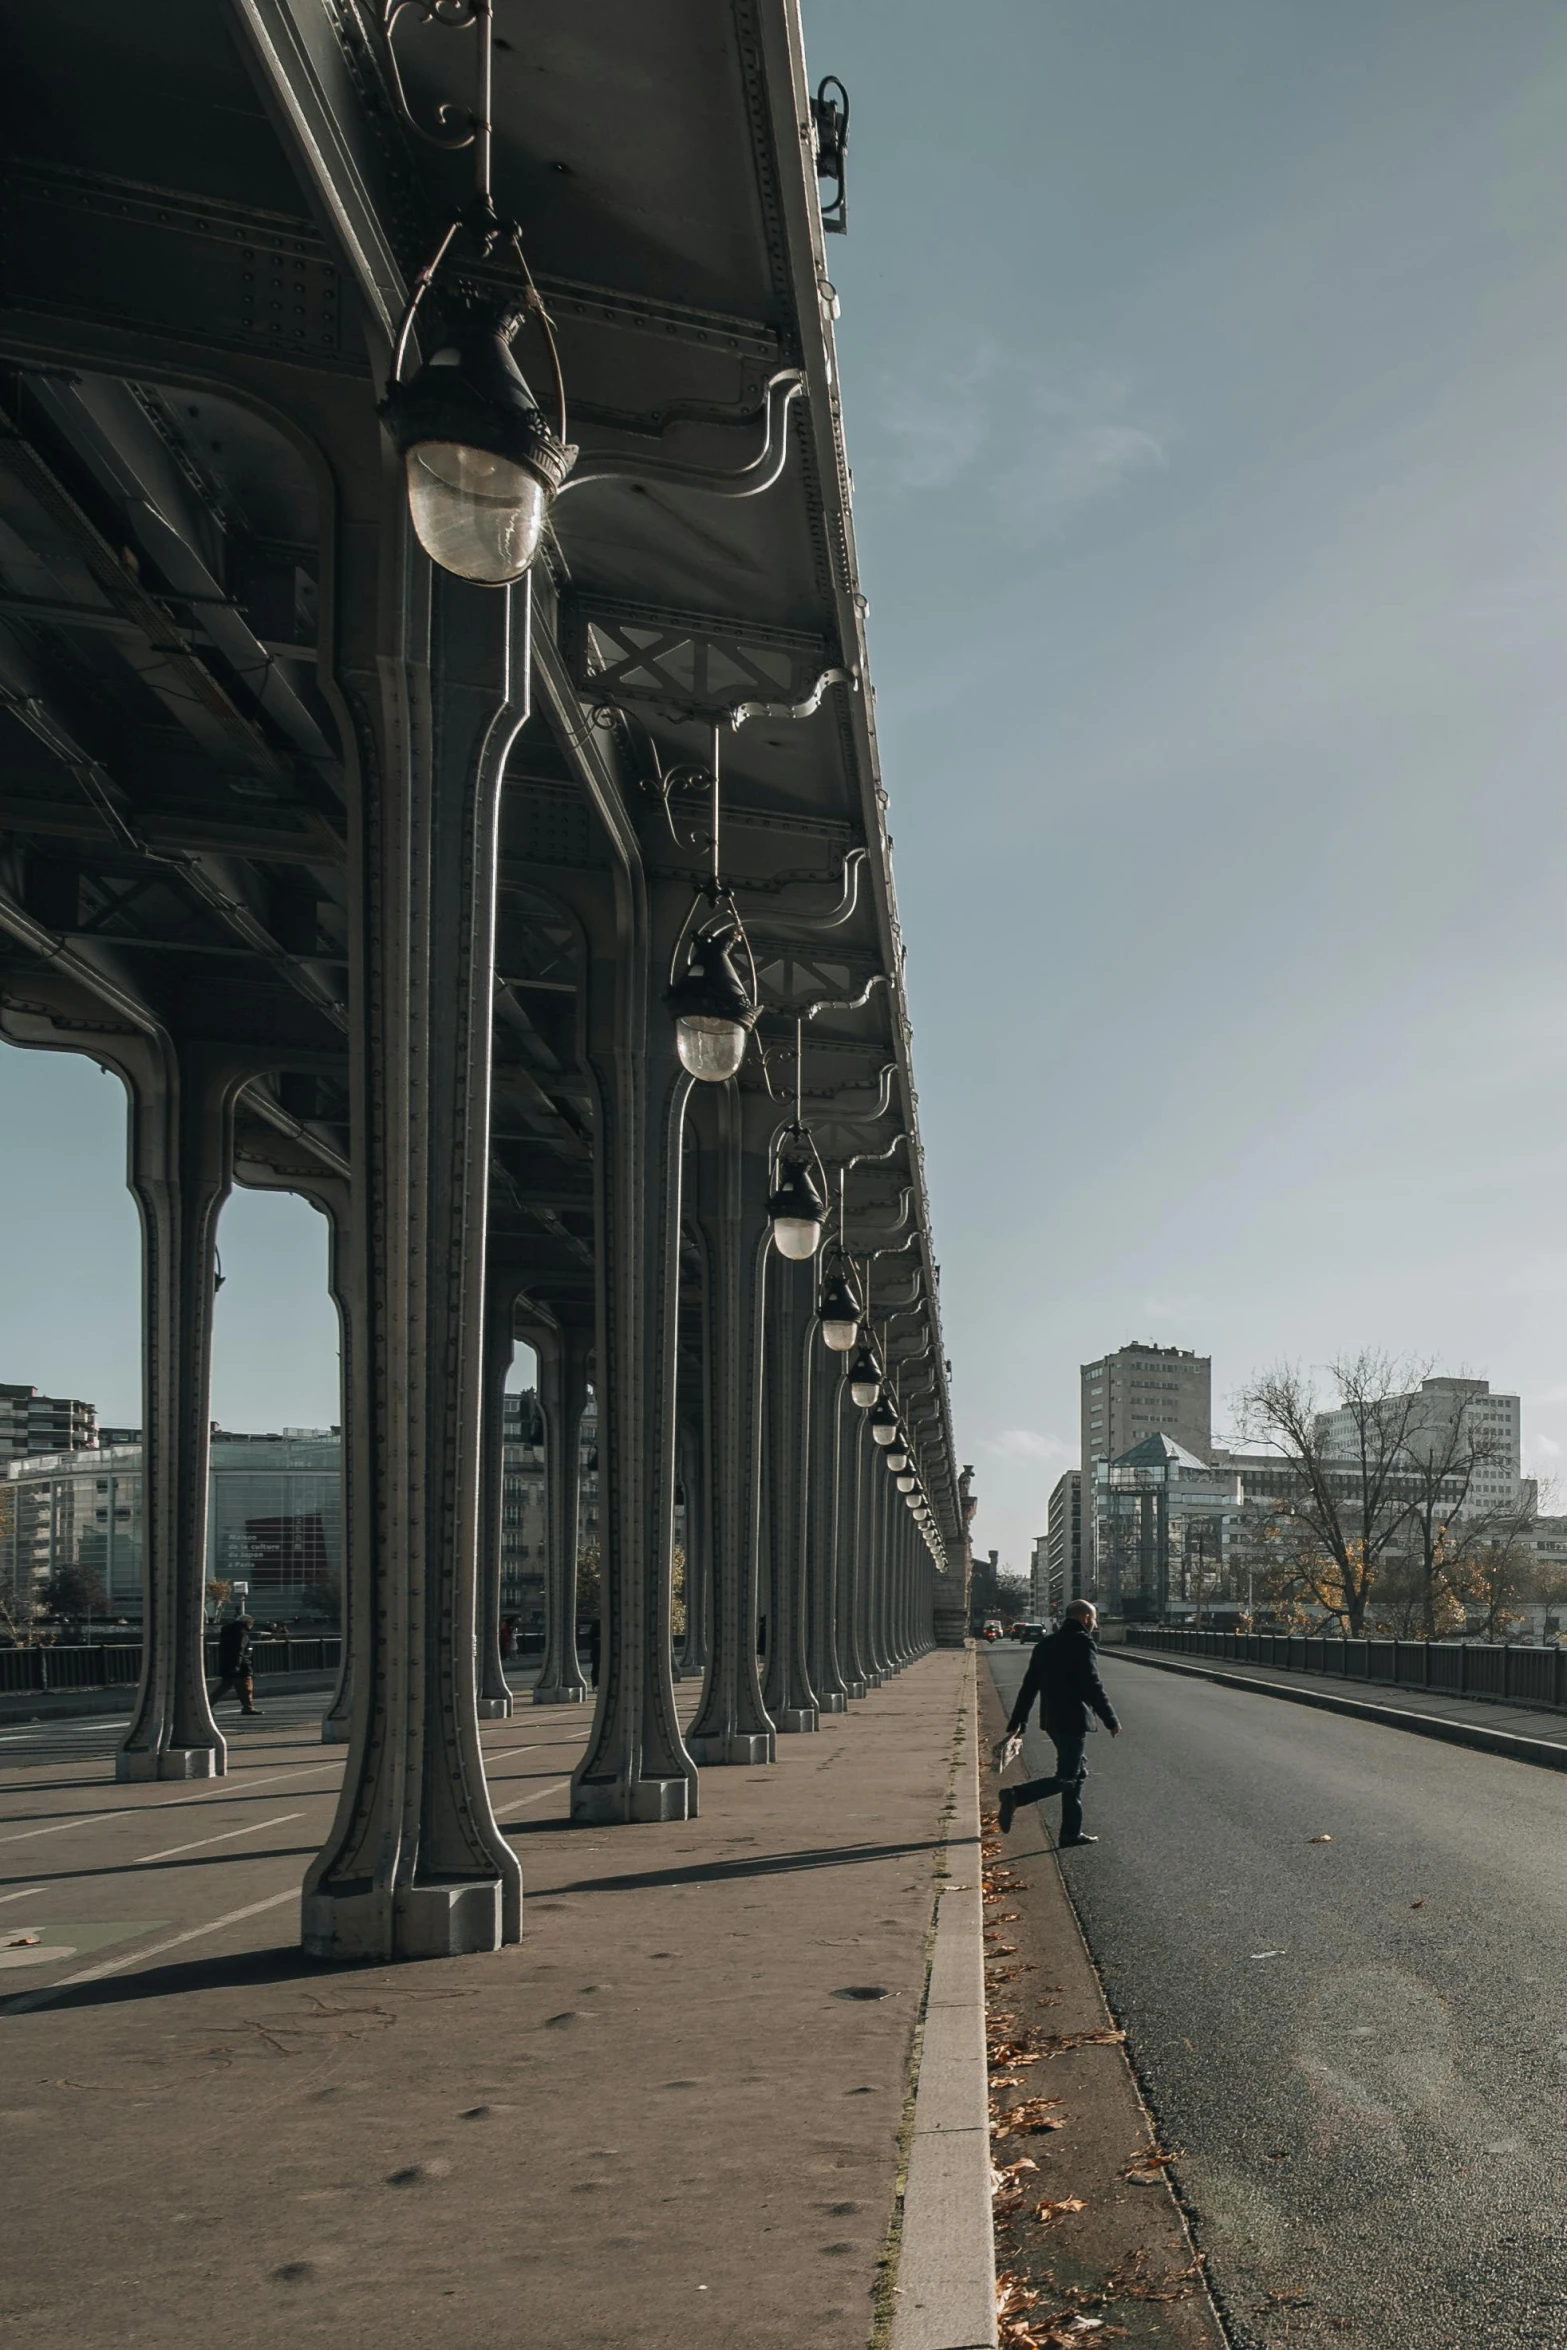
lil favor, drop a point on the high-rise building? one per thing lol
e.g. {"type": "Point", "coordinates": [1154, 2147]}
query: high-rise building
{"type": "Point", "coordinates": [1065, 1539]}
{"type": "Point", "coordinates": [30, 1422]}
{"type": "Point", "coordinates": [1039, 1600]}
{"type": "Point", "coordinates": [1456, 1418]}
{"type": "Point", "coordinates": [1146, 1391]}
{"type": "Point", "coordinates": [1142, 1390]}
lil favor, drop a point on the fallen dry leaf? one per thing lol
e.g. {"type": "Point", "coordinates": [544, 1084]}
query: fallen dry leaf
{"type": "Point", "coordinates": [1057, 2043]}
{"type": "Point", "coordinates": [1053, 2207]}
{"type": "Point", "coordinates": [23, 1941]}
{"type": "Point", "coordinates": [1003, 2175]}
{"type": "Point", "coordinates": [1319, 1839]}
{"type": "Point", "coordinates": [1417, 1904]}
{"type": "Point", "coordinates": [1032, 2115]}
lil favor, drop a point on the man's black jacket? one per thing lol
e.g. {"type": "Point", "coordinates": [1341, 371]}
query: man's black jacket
{"type": "Point", "coordinates": [233, 1645]}
{"type": "Point", "coordinates": [1064, 1676]}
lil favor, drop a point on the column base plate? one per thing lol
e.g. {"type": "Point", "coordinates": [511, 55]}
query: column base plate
{"type": "Point", "coordinates": [494, 1709]}
{"type": "Point", "coordinates": [610, 1803]}
{"type": "Point", "coordinates": [733, 1747]}
{"type": "Point", "coordinates": [561, 1693]}
{"type": "Point", "coordinates": [171, 1762]}
{"type": "Point", "coordinates": [414, 1921]}
{"type": "Point", "coordinates": [797, 1717]}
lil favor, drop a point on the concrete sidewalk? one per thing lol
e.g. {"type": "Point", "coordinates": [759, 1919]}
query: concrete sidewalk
{"type": "Point", "coordinates": [672, 2118]}
{"type": "Point", "coordinates": [1521, 1733]}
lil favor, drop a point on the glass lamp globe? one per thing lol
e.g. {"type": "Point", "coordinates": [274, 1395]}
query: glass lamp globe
{"type": "Point", "coordinates": [897, 1459]}
{"type": "Point", "coordinates": [839, 1312]}
{"type": "Point", "coordinates": [474, 513]}
{"type": "Point", "coordinates": [710, 1048]}
{"type": "Point", "coordinates": [864, 1380]}
{"type": "Point", "coordinates": [796, 1210]}
{"type": "Point", "coordinates": [883, 1427]}
{"type": "Point", "coordinates": [906, 1485]}
{"type": "Point", "coordinates": [480, 464]}
{"type": "Point", "coordinates": [713, 1011]}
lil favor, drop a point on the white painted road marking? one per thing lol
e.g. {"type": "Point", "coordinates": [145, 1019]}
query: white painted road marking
{"type": "Point", "coordinates": [117, 1966]}
{"type": "Point", "coordinates": [537, 1796]}
{"type": "Point", "coordinates": [227, 1837]}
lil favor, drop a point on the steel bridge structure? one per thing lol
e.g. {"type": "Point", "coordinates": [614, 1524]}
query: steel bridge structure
{"type": "Point", "coordinates": [368, 881]}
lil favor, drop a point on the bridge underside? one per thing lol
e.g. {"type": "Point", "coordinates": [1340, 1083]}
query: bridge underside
{"type": "Point", "coordinates": [369, 882]}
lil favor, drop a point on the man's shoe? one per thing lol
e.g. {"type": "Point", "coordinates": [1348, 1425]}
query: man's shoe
{"type": "Point", "coordinates": [1004, 1811]}
{"type": "Point", "coordinates": [251, 1709]}
{"type": "Point", "coordinates": [1066, 1842]}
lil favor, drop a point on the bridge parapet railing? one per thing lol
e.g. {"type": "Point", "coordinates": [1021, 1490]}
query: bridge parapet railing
{"type": "Point", "coordinates": [46, 1666]}
{"type": "Point", "coordinates": [1510, 1673]}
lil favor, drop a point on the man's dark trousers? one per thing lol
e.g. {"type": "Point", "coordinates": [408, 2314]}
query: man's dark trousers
{"type": "Point", "coordinates": [1070, 1772]}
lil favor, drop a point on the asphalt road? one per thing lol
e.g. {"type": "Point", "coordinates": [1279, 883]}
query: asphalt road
{"type": "Point", "coordinates": [1359, 2046]}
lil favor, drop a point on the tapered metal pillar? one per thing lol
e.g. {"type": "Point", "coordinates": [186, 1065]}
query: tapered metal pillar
{"type": "Point", "coordinates": [855, 1452]}
{"type": "Point", "coordinates": [692, 1466]}
{"type": "Point", "coordinates": [500, 1347]}
{"type": "Point", "coordinates": [873, 1476]}
{"type": "Point", "coordinates": [896, 1631]}
{"type": "Point", "coordinates": [415, 1865]}
{"type": "Point", "coordinates": [337, 1721]}
{"type": "Point", "coordinates": [732, 1723]}
{"type": "Point", "coordinates": [636, 1766]}
{"type": "Point", "coordinates": [563, 1394]}
{"type": "Point", "coordinates": [904, 1570]}
{"type": "Point", "coordinates": [297, 1172]}
{"type": "Point", "coordinates": [180, 1170]}
{"type": "Point", "coordinates": [824, 1381]}
{"type": "Point", "coordinates": [786, 1689]}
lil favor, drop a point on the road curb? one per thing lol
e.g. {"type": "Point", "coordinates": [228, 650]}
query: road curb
{"type": "Point", "coordinates": [946, 2286]}
{"type": "Point", "coordinates": [1543, 1753]}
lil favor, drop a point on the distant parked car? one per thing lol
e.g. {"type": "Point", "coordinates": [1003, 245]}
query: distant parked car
{"type": "Point", "coordinates": [1029, 1632]}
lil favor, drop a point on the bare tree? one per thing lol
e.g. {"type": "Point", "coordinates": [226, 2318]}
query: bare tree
{"type": "Point", "coordinates": [1339, 1515]}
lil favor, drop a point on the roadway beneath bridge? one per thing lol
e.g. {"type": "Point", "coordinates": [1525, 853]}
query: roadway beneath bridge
{"type": "Point", "coordinates": [658, 2120]}
{"type": "Point", "coordinates": [1359, 2046]}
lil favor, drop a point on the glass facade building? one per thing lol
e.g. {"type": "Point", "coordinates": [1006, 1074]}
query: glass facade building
{"type": "Point", "coordinates": [274, 1522]}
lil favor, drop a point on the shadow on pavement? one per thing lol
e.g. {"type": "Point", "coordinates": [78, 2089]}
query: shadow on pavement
{"type": "Point", "coordinates": [766, 1865]}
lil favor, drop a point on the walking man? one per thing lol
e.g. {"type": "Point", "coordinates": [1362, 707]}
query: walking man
{"type": "Point", "coordinates": [1064, 1676]}
{"type": "Point", "coordinates": [235, 1670]}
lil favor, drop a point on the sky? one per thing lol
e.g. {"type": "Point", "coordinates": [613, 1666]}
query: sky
{"type": "Point", "coordinates": [1203, 370]}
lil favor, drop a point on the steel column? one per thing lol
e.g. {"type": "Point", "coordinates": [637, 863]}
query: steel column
{"type": "Point", "coordinates": [732, 1723]}
{"type": "Point", "coordinates": [854, 1444]}
{"type": "Point", "coordinates": [867, 1535]}
{"type": "Point", "coordinates": [337, 1721]}
{"type": "Point", "coordinates": [415, 1865]}
{"type": "Point", "coordinates": [500, 1347]}
{"type": "Point", "coordinates": [692, 1466]}
{"type": "Point", "coordinates": [636, 1766]}
{"type": "Point", "coordinates": [563, 1394]}
{"type": "Point", "coordinates": [825, 1385]}
{"type": "Point", "coordinates": [787, 1693]}
{"type": "Point", "coordinates": [180, 1172]}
